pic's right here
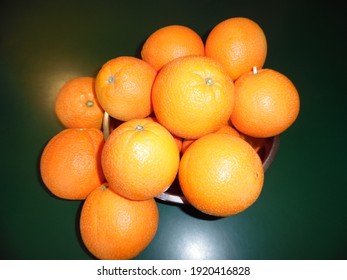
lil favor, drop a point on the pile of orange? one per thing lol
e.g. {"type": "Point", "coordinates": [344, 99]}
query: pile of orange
{"type": "Point", "coordinates": [187, 109]}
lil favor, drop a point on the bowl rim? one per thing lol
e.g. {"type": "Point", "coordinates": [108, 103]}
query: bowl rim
{"type": "Point", "coordinates": [166, 196]}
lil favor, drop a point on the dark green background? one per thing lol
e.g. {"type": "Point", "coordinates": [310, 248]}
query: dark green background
{"type": "Point", "coordinates": [301, 213]}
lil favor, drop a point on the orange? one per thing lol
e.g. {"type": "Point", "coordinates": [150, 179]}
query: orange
{"type": "Point", "coordinates": [193, 96]}
{"type": "Point", "coordinates": [113, 227]}
{"type": "Point", "coordinates": [140, 159]}
{"type": "Point", "coordinates": [76, 104]}
{"type": "Point", "coordinates": [227, 129]}
{"type": "Point", "coordinates": [239, 43]}
{"type": "Point", "coordinates": [70, 164]}
{"type": "Point", "coordinates": [221, 174]}
{"type": "Point", "coordinates": [255, 142]}
{"type": "Point", "coordinates": [178, 140]}
{"type": "Point", "coordinates": [123, 87]}
{"type": "Point", "coordinates": [185, 144]}
{"type": "Point", "coordinates": [266, 103]}
{"type": "Point", "coordinates": [170, 42]}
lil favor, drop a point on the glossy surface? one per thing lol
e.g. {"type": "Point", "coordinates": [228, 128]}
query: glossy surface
{"type": "Point", "coordinates": [301, 213]}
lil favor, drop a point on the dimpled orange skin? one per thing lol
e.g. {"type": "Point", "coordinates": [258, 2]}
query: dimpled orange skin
{"type": "Point", "coordinates": [70, 164]}
{"type": "Point", "coordinates": [170, 42]}
{"type": "Point", "coordinates": [193, 96]}
{"type": "Point", "coordinates": [113, 227]}
{"type": "Point", "coordinates": [266, 103]}
{"type": "Point", "coordinates": [140, 159]}
{"type": "Point", "coordinates": [239, 43]}
{"type": "Point", "coordinates": [123, 87]}
{"type": "Point", "coordinates": [221, 174]}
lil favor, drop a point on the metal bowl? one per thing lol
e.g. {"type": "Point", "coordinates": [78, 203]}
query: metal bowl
{"type": "Point", "coordinates": [173, 194]}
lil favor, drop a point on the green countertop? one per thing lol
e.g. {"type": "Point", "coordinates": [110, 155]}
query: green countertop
{"type": "Point", "coordinates": [301, 213]}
